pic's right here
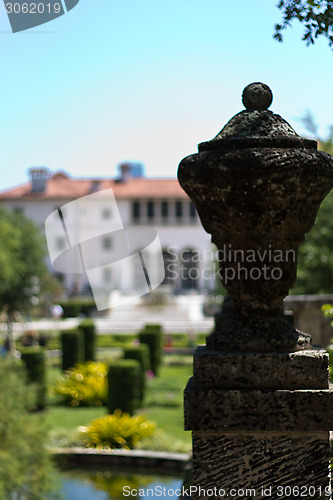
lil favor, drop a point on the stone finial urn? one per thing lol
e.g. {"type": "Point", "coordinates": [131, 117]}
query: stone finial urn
{"type": "Point", "coordinates": [257, 187]}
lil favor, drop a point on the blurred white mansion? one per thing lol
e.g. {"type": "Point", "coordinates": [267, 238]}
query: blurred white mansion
{"type": "Point", "coordinates": [141, 202]}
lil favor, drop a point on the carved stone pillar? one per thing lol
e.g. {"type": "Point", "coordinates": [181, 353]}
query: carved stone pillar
{"type": "Point", "coordinates": [258, 404]}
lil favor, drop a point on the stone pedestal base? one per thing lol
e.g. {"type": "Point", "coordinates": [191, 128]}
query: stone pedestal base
{"type": "Point", "coordinates": [260, 425]}
{"type": "Point", "coordinates": [260, 465]}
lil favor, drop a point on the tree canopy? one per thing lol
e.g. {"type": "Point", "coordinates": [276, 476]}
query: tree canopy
{"type": "Point", "coordinates": [315, 15]}
{"type": "Point", "coordinates": [22, 267]}
{"type": "Point", "coordinates": [324, 143]}
{"type": "Point", "coordinates": [26, 470]}
{"type": "Point", "coordinates": [315, 257]}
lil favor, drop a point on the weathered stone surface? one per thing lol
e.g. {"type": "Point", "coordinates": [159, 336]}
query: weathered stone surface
{"type": "Point", "coordinates": [258, 199]}
{"type": "Point", "coordinates": [259, 404]}
{"type": "Point", "coordinates": [258, 410]}
{"type": "Point", "coordinates": [308, 316]}
{"type": "Point", "coordinates": [258, 333]}
{"type": "Point", "coordinates": [230, 370]}
{"type": "Point", "coordinates": [257, 96]}
{"type": "Point", "coordinates": [276, 463]}
{"type": "Point", "coordinates": [257, 187]}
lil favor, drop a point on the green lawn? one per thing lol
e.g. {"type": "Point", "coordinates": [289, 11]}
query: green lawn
{"type": "Point", "coordinates": [164, 400]}
{"type": "Point", "coordinates": [63, 417]}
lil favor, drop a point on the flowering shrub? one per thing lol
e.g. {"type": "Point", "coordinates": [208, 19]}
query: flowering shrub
{"type": "Point", "coordinates": [117, 430]}
{"type": "Point", "coordinates": [328, 311]}
{"type": "Point", "coordinates": [84, 385]}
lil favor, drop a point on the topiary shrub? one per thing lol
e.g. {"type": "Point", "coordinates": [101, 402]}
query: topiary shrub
{"type": "Point", "coordinates": [76, 306]}
{"type": "Point", "coordinates": [119, 430]}
{"type": "Point", "coordinates": [140, 353]}
{"type": "Point", "coordinates": [124, 385]}
{"type": "Point", "coordinates": [87, 327]}
{"type": "Point", "coordinates": [151, 327]}
{"type": "Point", "coordinates": [71, 308]}
{"type": "Point", "coordinates": [84, 385]}
{"type": "Point", "coordinates": [88, 306]}
{"type": "Point", "coordinates": [153, 338]}
{"type": "Point", "coordinates": [72, 348]}
{"type": "Point", "coordinates": [35, 363]}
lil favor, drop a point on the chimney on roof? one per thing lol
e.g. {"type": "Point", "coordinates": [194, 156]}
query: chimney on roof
{"type": "Point", "coordinates": [38, 176]}
{"type": "Point", "coordinates": [95, 185]}
{"type": "Point", "coordinates": [125, 172]}
{"type": "Point", "coordinates": [130, 170]}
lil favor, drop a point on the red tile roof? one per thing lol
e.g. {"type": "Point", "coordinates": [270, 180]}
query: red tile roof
{"type": "Point", "coordinates": [61, 185]}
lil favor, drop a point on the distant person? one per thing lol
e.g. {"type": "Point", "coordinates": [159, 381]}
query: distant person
{"type": "Point", "coordinates": [168, 343]}
{"type": "Point", "coordinates": [30, 338]}
{"type": "Point", "coordinates": [191, 338]}
{"type": "Point", "coordinates": [5, 348]}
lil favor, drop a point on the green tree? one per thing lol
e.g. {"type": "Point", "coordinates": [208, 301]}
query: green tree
{"type": "Point", "coordinates": [315, 15]}
{"type": "Point", "coordinates": [327, 144]}
{"type": "Point", "coordinates": [315, 258]}
{"type": "Point", "coordinates": [26, 469]}
{"type": "Point", "coordinates": [324, 144]}
{"type": "Point", "coordinates": [22, 268]}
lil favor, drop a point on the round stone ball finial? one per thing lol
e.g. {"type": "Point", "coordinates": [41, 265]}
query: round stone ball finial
{"type": "Point", "coordinates": [257, 96]}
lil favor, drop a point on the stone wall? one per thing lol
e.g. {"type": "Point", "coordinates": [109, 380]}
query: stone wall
{"type": "Point", "coordinates": [309, 318]}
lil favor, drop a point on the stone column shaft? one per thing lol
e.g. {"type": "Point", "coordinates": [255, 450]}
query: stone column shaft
{"type": "Point", "coordinates": [260, 424]}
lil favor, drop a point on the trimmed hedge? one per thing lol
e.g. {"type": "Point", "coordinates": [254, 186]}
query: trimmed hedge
{"type": "Point", "coordinates": [74, 307]}
{"type": "Point", "coordinates": [151, 327]}
{"type": "Point", "coordinates": [87, 327]}
{"type": "Point", "coordinates": [35, 362]}
{"type": "Point", "coordinates": [141, 354]}
{"type": "Point", "coordinates": [124, 380]}
{"type": "Point", "coordinates": [152, 336]}
{"type": "Point", "coordinates": [72, 348]}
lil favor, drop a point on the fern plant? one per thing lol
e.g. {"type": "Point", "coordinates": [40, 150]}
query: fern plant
{"type": "Point", "coordinates": [117, 430]}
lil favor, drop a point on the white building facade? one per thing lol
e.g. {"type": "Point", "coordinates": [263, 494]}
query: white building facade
{"type": "Point", "coordinates": [138, 204]}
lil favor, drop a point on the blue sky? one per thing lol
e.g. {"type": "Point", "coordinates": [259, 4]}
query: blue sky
{"type": "Point", "coordinates": [147, 80]}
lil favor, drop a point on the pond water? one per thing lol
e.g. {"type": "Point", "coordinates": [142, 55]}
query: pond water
{"type": "Point", "coordinates": [106, 485]}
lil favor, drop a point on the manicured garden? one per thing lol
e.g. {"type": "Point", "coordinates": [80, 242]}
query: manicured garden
{"type": "Point", "coordinates": [161, 404]}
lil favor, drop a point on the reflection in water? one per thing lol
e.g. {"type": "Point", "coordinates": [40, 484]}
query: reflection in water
{"type": "Point", "coordinates": [106, 485]}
